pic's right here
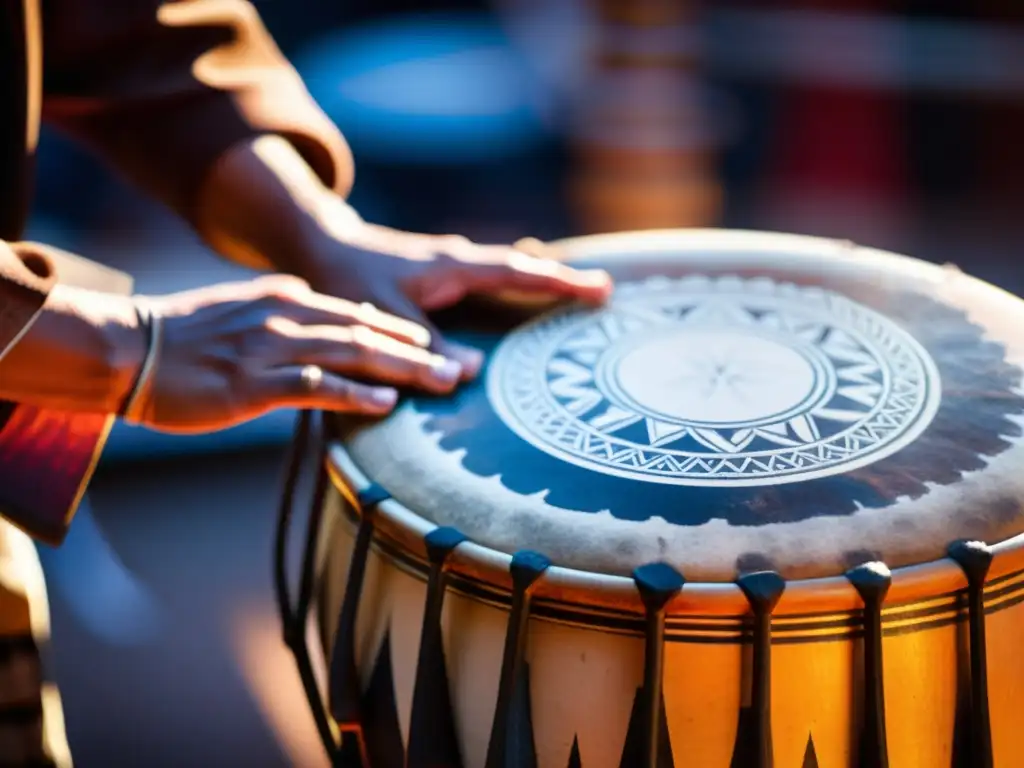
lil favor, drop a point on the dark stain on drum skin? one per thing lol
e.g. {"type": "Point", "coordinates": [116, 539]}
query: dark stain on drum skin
{"type": "Point", "coordinates": [535, 529]}
{"type": "Point", "coordinates": [1006, 511]}
{"type": "Point", "coordinates": [629, 548]}
{"type": "Point", "coordinates": [751, 562]}
{"type": "Point", "coordinates": [904, 527]}
{"type": "Point", "coordinates": [979, 394]}
{"type": "Point", "coordinates": [1000, 518]}
{"type": "Point", "coordinates": [857, 557]}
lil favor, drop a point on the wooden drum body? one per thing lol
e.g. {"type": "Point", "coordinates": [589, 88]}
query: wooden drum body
{"type": "Point", "coordinates": [660, 533]}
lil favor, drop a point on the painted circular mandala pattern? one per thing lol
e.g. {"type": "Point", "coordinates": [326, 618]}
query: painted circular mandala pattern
{"type": "Point", "coordinates": [716, 382]}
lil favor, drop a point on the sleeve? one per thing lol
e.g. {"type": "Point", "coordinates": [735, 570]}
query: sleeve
{"type": "Point", "coordinates": [25, 282]}
{"type": "Point", "coordinates": [46, 457]}
{"type": "Point", "coordinates": [162, 89]}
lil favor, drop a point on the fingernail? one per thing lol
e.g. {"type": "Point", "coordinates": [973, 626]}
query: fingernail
{"type": "Point", "coordinates": [448, 371]}
{"type": "Point", "coordinates": [470, 359]}
{"type": "Point", "coordinates": [595, 277]}
{"type": "Point", "coordinates": [383, 397]}
{"type": "Point", "coordinates": [420, 336]}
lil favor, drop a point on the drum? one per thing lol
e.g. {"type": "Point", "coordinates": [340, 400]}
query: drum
{"type": "Point", "coordinates": [764, 508]}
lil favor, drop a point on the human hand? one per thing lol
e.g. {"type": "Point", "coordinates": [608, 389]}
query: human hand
{"type": "Point", "coordinates": [410, 274]}
{"type": "Point", "coordinates": [263, 206]}
{"type": "Point", "coordinates": [234, 351]}
{"type": "Point", "coordinates": [228, 353]}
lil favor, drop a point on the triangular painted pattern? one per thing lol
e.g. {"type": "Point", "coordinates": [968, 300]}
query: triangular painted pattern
{"type": "Point", "coordinates": [745, 746]}
{"type": "Point", "coordinates": [381, 728]}
{"type": "Point", "coordinates": [632, 750]}
{"type": "Point", "coordinates": [437, 742]}
{"type": "Point", "coordinates": [521, 751]}
{"type": "Point", "coordinates": [810, 756]}
{"type": "Point", "coordinates": [962, 726]}
{"type": "Point", "coordinates": [518, 749]}
{"type": "Point", "coordinates": [574, 756]}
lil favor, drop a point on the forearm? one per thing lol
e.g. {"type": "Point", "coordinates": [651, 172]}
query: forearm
{"type": "Point", "coordinates": [261, 205]}
{"type": "Point", "coordinates": [161, 90]}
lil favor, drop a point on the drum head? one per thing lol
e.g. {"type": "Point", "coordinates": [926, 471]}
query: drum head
{"type": "Point", "coordinates": [744, 401]}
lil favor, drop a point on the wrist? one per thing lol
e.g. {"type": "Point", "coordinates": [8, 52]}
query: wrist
{"type": "Point", "coordinates": [333, 224]}
{"type": "Point", "coordinates": [82, 353]}
{"type": "Point", "coordinates": [109, 334]}
{"type": "Point", "coordinates": [264, 207]}
{"type": "Point", "coordinates": [126, 344]}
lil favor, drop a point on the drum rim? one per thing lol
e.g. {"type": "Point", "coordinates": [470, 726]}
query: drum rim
{"type": "Point", "coordinates": [911, 584]}
{"type": "Point", "coordinates": [797, 247]}
{"type": "Point", "coordinates": [931, 581]}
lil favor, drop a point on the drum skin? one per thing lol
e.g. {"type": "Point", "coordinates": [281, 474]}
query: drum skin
{"type": "Point", "coordinates": [792, 679]}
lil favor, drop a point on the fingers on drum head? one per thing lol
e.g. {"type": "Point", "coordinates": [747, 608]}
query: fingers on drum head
{"type": "Point", "coordinates": [366, 353]}
{"type": "Point", "coordinates": [323, 310]}
{"type": "Point", "coordinates": [310, 387]}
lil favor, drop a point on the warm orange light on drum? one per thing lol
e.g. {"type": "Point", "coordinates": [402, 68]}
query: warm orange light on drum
{"type": "Point", "coordinates": [642, 139]}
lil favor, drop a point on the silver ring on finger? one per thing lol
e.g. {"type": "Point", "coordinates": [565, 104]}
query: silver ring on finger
{"type": "Point", "coordinates": [312, 377]}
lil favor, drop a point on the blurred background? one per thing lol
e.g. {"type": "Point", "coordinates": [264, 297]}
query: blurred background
{"type": "Point", "coordinates": [897, 124]}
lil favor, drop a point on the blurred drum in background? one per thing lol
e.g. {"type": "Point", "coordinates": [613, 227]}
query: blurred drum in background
{"type": "Point", "coordinates": [763, 508]}
{"type": "Point", "coordinates": [643, 144]}
{"type": "Point", "coordinates": [819, 116]}
{"type": "Point", "coordinates": [636, 111]}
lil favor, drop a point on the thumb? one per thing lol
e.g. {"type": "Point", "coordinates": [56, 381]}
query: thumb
{"type": "Point", "coordinates": [470, 358]}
